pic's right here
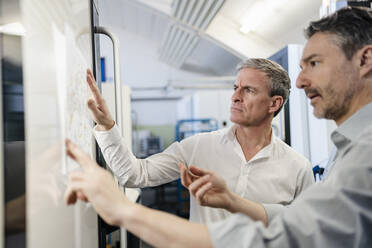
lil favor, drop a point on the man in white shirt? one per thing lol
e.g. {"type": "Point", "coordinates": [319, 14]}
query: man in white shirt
{"type": "Point", "coordinates": [337, 77]}
{"type": "Point", "coordinates": [256, 164]}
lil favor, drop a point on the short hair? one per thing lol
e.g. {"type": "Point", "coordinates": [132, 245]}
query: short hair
{"type": "Point", "coordinates": [352, 27]}
{"type": "Point", "coordinates": [280, 83]}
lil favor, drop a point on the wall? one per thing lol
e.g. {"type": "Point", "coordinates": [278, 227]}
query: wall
{"type": "Point", "coordinates": [214, 104]}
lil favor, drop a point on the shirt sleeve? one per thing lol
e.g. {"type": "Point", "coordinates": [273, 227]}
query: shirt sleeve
{"type": "Point", "coordinates": [132, 172]}
{"type": "Point", "coordinates": [336, 213]}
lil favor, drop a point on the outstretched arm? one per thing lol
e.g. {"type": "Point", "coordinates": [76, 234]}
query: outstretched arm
{"type": "Point", "coordinates": [96, 185]}
{"type": "Point", "coordinates": [129, 170]}
{"type": "Point", "coordinates": [211, 190]}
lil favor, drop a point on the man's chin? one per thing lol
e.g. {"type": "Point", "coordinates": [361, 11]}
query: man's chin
{"type": "Point", "coordinates": [237, 121]}
{"type": "Point", "coordinates": [318, 114]}
{"type": "Point", "coordinates": [234, 120]}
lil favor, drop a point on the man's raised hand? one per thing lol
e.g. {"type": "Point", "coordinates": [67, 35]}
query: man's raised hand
{"type": "Point", "coordinates": [98, 106]}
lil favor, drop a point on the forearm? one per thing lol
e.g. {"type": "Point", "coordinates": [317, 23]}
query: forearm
{"type": "Point", "coordinates": [250, 208]}
{"type": "Point", "coordinates": [164, 230]}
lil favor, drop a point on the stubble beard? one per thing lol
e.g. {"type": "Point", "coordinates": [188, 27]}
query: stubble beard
{"type": "Point", "coordinates": [337, 105]}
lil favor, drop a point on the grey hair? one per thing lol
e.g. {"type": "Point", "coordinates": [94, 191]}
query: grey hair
{"type": "Point", "coordinates": [280, 84]}
{"type": "Point", "coordinates": [352, 27]}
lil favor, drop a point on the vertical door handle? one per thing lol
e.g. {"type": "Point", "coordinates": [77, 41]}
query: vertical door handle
{"type": "Point", "coordinates": [118, 102]}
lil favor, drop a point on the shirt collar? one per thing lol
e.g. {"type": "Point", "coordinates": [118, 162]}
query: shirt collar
{"type": "Point", "coordinates": [352, 127]}
{"type": "Point", "coordinates": [267, 151]}
{"type": "Point", "coordinates": [228, 134]}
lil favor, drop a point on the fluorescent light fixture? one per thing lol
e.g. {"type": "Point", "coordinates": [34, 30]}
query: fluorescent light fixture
{"type": "Point", "coordinates": [260, 11]}
{"type": "Point", "coordinates": [14, 28]}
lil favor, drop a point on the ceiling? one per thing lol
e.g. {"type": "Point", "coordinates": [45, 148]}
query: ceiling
{"type": "Point", "coordinates": [151, 20]}
{"type": "Point", "coordinates": [219, 45]}
{"type": "Point", "coordinates": [284, 25]}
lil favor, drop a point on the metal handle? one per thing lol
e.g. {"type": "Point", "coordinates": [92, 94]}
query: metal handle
{"type": "Point", "coordinates": [115, 44]}
{"type": "Point", "coordinates": [118, 102]}
{"type": "Point", "coordinates": [2, 165]}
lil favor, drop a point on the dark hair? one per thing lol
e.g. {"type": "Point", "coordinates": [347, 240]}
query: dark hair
{"type": "Point", "coordinates": [280, 83]}
{"type": "Point", "coordinates": [352, 27]}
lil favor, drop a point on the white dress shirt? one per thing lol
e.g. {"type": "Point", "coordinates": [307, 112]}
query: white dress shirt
{"type": "Point", "coordinates": [274, 176]}
{"type": "Point", "coordinates": [336, 212]}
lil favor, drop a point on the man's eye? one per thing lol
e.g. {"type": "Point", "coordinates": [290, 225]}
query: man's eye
{"type": "Point", "coordinates": [235, 88]}
{"type": "Point", "coordinates": [313, 63]}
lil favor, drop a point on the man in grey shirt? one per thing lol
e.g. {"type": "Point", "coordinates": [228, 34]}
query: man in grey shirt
{"type": "Point", "coordinates": [337, 77]}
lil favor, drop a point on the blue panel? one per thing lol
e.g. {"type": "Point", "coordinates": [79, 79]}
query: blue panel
{"type": "Point", "coordinates": [103, 70]}
{"type": "Point", "coordinates": [281, 58]}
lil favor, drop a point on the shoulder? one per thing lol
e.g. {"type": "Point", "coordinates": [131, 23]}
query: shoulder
{"type": "Point", "coordinates": [208, 136]}
{"type": "Point", "coordinates": [360, 149]}
{"type": "Point", "coordinates": [366, 136]}
{"type": "Point", "coordinates": [355, 165]}
{"type": "Point", "coordinates": [286, 152]}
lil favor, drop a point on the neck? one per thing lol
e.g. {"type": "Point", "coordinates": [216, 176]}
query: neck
{"type": "Point", "coordinates": [254, 137]}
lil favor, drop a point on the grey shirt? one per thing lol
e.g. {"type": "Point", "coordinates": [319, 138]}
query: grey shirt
{"type": "Point", "coordinates": [334, 213]}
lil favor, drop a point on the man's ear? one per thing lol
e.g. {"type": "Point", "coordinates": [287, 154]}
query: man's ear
{"type": "Point", "coordinates": [276, 103]}
{"type": "Point", "coordinates": [366, 61]}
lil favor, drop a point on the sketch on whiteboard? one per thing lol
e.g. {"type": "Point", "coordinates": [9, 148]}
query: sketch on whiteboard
{"type": "Point", "coordinates": [75, 118]}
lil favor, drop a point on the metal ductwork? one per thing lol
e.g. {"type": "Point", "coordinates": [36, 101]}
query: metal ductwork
{"type": "Point", "coordinates": [191, 17]}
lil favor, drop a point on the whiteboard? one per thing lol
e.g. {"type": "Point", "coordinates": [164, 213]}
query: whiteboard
{"type": "Point", "coordinates": [57, 51]}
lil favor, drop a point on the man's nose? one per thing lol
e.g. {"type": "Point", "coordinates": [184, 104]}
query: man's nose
{"type": "Point", "coordinates": [236, 96]}
{"type": "Point", "coordinates": [302, 81]}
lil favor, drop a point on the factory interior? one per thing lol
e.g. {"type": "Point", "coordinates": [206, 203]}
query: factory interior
{"type": "Point", "coordinates": [167, 71]}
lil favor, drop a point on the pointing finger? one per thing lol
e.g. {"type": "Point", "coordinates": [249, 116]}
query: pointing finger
{"type": "Point", "coordinates": [197, 171]}
{"type": "Point", "coordinates": [77, 154]}
{"type": "Point", "coordinates": [93, 87]}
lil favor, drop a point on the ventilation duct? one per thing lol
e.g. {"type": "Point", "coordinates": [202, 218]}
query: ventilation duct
{"type": "Point", "coordinates": [182, 35]}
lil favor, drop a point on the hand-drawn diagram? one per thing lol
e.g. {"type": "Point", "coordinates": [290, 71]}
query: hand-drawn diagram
{"type": "Point", "coordinates": [78, 123]}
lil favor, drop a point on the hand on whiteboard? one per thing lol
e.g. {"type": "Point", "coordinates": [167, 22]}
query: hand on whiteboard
{"type": "Point", "coordinates": [97, 105]}
{"type": "Point", "coordinates": [95, 185]}
{"type": "Point", "coordinates": [209, 189]}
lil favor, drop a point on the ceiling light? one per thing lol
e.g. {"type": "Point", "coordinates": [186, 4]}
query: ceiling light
{"type": "Point", "coordinates": [258, 13]}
